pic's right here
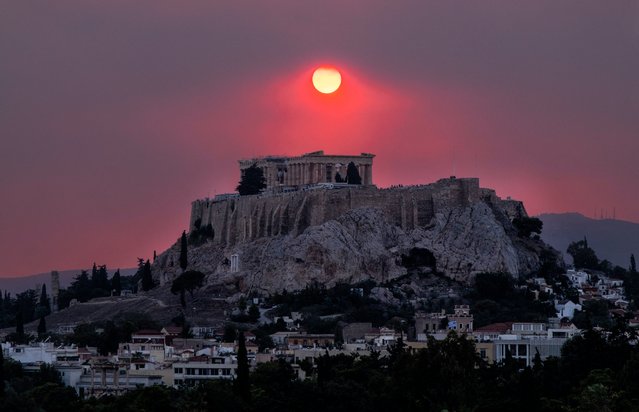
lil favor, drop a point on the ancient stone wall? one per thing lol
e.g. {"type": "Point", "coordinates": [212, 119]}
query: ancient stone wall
{"type": "Point", "coordinates": [246, 218]}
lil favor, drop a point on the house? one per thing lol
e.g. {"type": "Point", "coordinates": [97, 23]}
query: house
{"type": "Point", "coordinates": [577, 278]}
{"type": "Point", "coordinates": [203, 331]}
{"type": "Point", "coordinates": [440, 323]}
{"type": "Point", "coordinates": [492, 331]}
{"type": "Point", "coordinates": [147, 344]}
{"type": "Point", "coordinates": [355, 332]}
{"type": "Point", "coordinates": [171, 332]}
{"type": "Point", "coordinates": [301, 340]}
{"type": "Point", "coordinates": [524, 350]}
{"type": "Point", "coordinates": [199, 369]}
{"type": "Point", "coordinates": [566, 308]}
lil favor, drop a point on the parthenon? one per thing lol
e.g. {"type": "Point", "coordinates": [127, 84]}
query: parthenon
{"type": "Point", "coordinates": [310, 168]}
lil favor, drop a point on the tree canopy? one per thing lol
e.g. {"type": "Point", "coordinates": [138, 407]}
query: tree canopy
{"type": "Point", "coordinates": [583, 256]}
{"type": "Point", "coordinates": [352, 175]}
{"type": "Point", "coordinates": [527, 225]}
{"type": "Point", "coordinates": [187, 282]}
{"type": "Point", "coordinates": [252, 181]}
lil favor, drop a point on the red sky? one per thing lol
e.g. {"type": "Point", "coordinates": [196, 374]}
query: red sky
{"type": "Point", "coordinates": [116, 115]}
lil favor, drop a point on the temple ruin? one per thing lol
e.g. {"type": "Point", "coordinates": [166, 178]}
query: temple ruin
{"type": "Point", "coordinates": [309, 169]}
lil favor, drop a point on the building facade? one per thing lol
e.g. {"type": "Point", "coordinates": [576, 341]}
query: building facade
{"type": "Point", "coordinates": [309, 169]}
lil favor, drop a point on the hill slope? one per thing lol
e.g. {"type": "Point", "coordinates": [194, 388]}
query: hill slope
{"type": "Point", "coordinates": [614, 240]}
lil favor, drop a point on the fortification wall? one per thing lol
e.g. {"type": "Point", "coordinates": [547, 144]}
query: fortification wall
{"type": "Point", "coordinates": [246, 218]}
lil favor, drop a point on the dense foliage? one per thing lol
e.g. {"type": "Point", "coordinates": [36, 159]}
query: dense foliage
{"type": "Point", "coordinates": [352, 175]}
{"type": "Point", "coordinates": [527, 225]}
{"type": "Point", "coordinates": [252, 181]}
{"type": "Point", "coordinates": [187, 282]}
{"type": "Point", "coordinates": [583, 256]}
{"type": "Point", "coordinates": [496, 298]}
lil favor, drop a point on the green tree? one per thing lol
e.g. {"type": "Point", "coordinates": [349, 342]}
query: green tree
{"type": "Point", "coordinates": [352, 175]}
{"type": "Point", "coordinates": [187, 281]}
{"type": "Point", "coordinates": [241, 304]}
{"type": "Point", "coordinates": [230, 334]}
{"type": "Point", "coordinates": [254, 313]}
{"type": "Point", "coordinates": [42, 327]}
{"type": "Point", "coordinates": [184, 255]}
{"type": "Point", "coordinates": [44, 304]}
{"type": "Point", "coordinates": [100, 279]}
{"type": "Point", "coordinates": [252, 181]}
{"type": "Point", "coordinates": [81, 287]}
{"type": "Point", "coordinates": [20, 327]}
{"type": "Point", "coordinates": [243, 384]}
{"type": "Point", "coordinates": [147, 277]}
{"type": "Point", "coordinates": [116, 283]}
{"type": "Point", "coordinates": [527, 225]}
{"type": "Point", "coordinates": [582, 255]}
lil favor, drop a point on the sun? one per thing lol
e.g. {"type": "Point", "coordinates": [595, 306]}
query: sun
{"type": "Point", "coordinates": [326, 79]}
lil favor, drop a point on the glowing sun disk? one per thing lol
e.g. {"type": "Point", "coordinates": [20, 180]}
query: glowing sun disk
{"type": "Point", "coordinates": [326, 80]}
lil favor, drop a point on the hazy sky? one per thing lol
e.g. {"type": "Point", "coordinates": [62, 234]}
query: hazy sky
{"type": "Point", "coordinates": [115, 115]}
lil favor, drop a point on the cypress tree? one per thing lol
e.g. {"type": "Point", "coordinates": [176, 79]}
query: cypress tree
{"type": "Point", "coordinates": [243, 385]}
{"type": "Point", "coordinates": [44, 300]}
{"type": "Point", "coordinates": [42, 326]}
{"type": "Point", "coordinates": [183, 252]}
{"type": "Point", "coordinates": [252, 181]}
{"type": "Point", "coordinates": [147, 277]}
{"type": "Point", "coordinates": [633, 264]}
{"type": "Point", "coordinates": [94, 276]}
{"type": "Point", "coordinates": [352, 175]}
{"type": "Point", "coordinates": [116, 283]}
{"type": "Point", "coordinates": [19, 325]}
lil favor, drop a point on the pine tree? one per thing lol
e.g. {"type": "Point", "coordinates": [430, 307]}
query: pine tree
{"type": "Point", "coordinates": [44, 300]}
{"type": "Point", "coordinates": [352, 175]}
{"type": "Point", "coordinates": [184, 262]}
{"type": "Point", "coordinates": [254, 313]}
{"type": "Point", "coordinates": [19, 325]}
{"type": "Point", "coordinates": [116, 283]}
{"type": "Point", "coordinates": [147, 277]}
{"type": "Point", "coordinates": [102, 279]}
{"type": "Point", "coordinates": [243, 385]}
{"type": "Point", "coordinates": [42, 326]}
{"type": "Point", "coordinates": [252, 181]}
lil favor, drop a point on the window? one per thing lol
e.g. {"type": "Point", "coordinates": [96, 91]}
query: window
{"type": "Point", "coordinates": [482, 353]}
{"type": "Point", "coordinates": [178, 370]}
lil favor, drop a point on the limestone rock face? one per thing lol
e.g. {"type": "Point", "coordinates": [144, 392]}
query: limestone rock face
{"type": "Point", "coordinates": [365, 243]}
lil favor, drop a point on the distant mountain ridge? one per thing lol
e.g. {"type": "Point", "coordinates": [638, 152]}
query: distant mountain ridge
{"type": "Point", "coordinates": [613, 240]}
{"type": "Point", "coordinates": [20, 284]}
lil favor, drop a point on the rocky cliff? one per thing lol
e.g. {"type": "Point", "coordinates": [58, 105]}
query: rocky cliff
{"type": "Point", "coordinates": [453, 227]}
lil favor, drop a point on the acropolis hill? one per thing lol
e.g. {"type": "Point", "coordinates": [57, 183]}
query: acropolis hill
{"type": "Point", "coordinates": [306, 227]}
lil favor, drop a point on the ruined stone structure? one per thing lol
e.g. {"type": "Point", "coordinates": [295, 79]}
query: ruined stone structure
{"type": "Point", "coordinates": [245, 218]}
{"type": "Point", "coordinates": [310, 168]}
{"type": "Point", "coordinates": [331, 233]}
